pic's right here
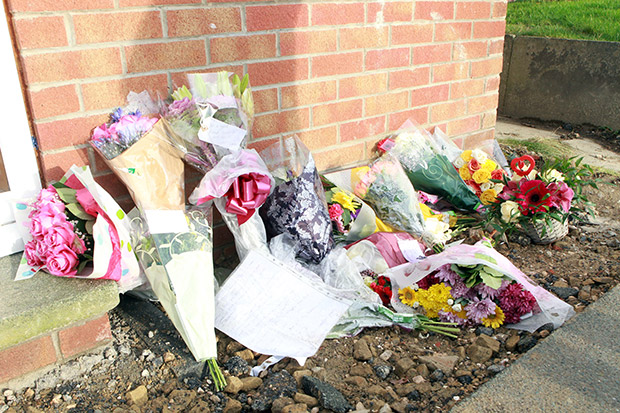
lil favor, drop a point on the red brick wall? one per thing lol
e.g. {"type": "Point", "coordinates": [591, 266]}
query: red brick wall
{"type": "Point", "coordinates": [339, 74]}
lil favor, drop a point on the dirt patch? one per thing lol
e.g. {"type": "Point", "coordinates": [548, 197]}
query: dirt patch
{"type": "Point", "coordinates": [389, 366]}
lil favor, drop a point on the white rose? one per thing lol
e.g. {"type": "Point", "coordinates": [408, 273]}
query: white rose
{"type": "Point", "coordinates": [479, 155]}
{"type": "Point", "coordinates": [498, 187]}
{"type": "Point", "coordinates": [459, 162]}
{"type": "Point", "coordinates": [553, 175]}
{"type": "Point", "coordinates": [510, 211]}
{"type": "Point", "coordinates": [486, 186]}
{"type": "Point", "coordinates": [532, 175]}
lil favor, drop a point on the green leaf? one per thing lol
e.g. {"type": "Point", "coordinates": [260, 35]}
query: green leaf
{"type": "Point", "coordinates": [490, 280]}
{"type": "Point", "coordinates": [328, 196]}
{"type": "Point", "coordinates": [346, 217]}
{"type": "Point", "coordinates": [245, 83]}
{"type": "Point", "coordinates": [89, 226]}
{"type": "Point", "coordinates": [67, 195]}
{"type": "Point", "coordinates": [79, 212]}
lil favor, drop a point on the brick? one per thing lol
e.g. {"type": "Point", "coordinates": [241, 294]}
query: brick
{"type": "Point", "coordinates": [412, 34]}
{"type": "Point", "coordinates": [473, 10]}
{"type": "Point", "coordinates": [169, 55]}
{"type": "Point", "coordinates": [179, 78]}
{"type": "Point", "coordinates": [466, 88]}
{"type": "Point", "coordinates": [487, 67]}
{"type": "Point", "coordinates": [281, 71]}
{"type": "Point", "coordinates": [201, 21]}
{"type": "Point", "coordinates": [54, 101]}
{"type": "Point", "coordinates": [409, 78]}
{"type": "Point", "coordinates": [337, 64]}
{"type": "Point", "coordinates": [61, 66]}
{"type": "Point", "coordinates": [361, 129]}
{"type": "Point", "coordinates": [286, 121]}
{"type": "Point", "coordinates": [281, 16]}
{"type": "Point", "coordinates": [435, 53]}
{"type": "Point", "coordinates": [77, 339]}
{"type": "Point", "coordinates": [492, 84]}
{"type": "Point", "coordinates": [308, 94]}
{"type": "Point", "coordinates": [342, 111]}
{"type": "Point", "coordinates": [401, 11]}
{"type": "Point", "coordinates": [337, 158]}
{"type": "Point", "coordinates": [307, 42]}
{"type": "Point", "coordinates": [499, 9]}
{"type": "Point", "coordinates": [117, 26]}
{"type": "Point", "coordinates": [460, 126]}
{"type": "Point", "coordinates": [316, 139]}
{"type": "Point", "coordinates": [418, 115]}
{"type": "Point", "coordinates": [112, 93]}
{"type": "Point", "coordinates": [114, 186]}
{"type": "Point", "coordinates": [26, 357]}
{"type": "Point", "coordinates": [489, 119]}
{"type": "Point", "coordinates": [469, 50]}
{"type": "Point", "coordinates": [334, 14]}
{"type": "Point", "coordinates": [387, 58]}
{"type": "Point", "coordinates": [55, 5]}
{"type": "Point", "coordinates": [28, 32]}
{"type": "Point", "coordinates": [134, 3]}
{"type": "Point", "coordinates": [477, 140]}
{"type": "Point", "coordinates": [391, 102]}
{"type": "Point", "coordinates": [261, 144]}
{"type": "Point", "coordinates": [447, 32]}
{"type": "Point", "coordinates": [265, 100]}
{"type": "Point", "coordinates": [364, 37]}
{"type": "Point", "coordinates": [450, 72]}
{"type": "Point", "coordinates": [230, 49]}
{"type": "Point", "coordinates": [62, 133]}
{"type": "Point", "coordinates": [479, 104]}
{"type": "Point", "coordinates": [362, 85]}
{"type": "Point", "coordinates": [434, 10]}
{"type": "Point", "coordinates": [430, 94]}
{"type": "Point", "coordinates": [449, 110]}
{"type": "Point", "coordinates": [489, 29]}
{"type": "Point", "coordinates": [55, 165]}
{"type": "Point", "coordinates": [496, 46]}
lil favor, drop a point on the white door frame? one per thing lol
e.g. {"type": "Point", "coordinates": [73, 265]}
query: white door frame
{"type": "Point", "coordinates": [16, 144]}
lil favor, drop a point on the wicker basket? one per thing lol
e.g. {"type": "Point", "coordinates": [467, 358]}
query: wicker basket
{"type": "Point", "coordinates": [541, 232]}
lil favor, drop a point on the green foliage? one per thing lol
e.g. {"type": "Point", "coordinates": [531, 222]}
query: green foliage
{"type": "Point", "coordinates": [566, 19]}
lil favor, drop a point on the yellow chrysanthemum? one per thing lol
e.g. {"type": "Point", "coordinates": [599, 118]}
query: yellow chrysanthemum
{"type": "Point", "coordinates": [488, 165]}
{"type": "Point", "coordinates": [488, 197]}
{"type": "Point", "coordinates": [435, 299]}
{"type": "Point", "coordinates": [481, 176]}
{"type": "Point", "coordinates": [466, 155]}
{"type": "Point", "coordinates": [464, 172]}
{"type": "Point", "coordinates": [494, 320]}
{"type": "Point", "coordinates": [345, 200]}
{"type": "Point", "coordinates": [407, 296]}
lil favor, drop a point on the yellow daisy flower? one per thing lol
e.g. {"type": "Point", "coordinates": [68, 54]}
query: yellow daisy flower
{"type": "Point", "coordinates": [494, 320]}
{"type": "Point", "coordinates": [407, 296]}
{"type": "Point", "coordinates": [345, 200]}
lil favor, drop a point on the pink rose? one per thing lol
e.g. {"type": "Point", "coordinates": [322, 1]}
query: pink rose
{"type": "Point", "coordinates": [59, 235]}
{"type": "Point", "coordinates": [62, 261]}
{"type": "Point", "coordinates": [561, 195]}
{"type": "Point", "coordinates": [85, 198]}
{"type": "Point", "coordinates": [32, 256]}
{"type": "Point", "coordinates": [36, 227]}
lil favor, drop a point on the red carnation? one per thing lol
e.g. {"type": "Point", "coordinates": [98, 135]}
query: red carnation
{"type": "Point", "coordinates": [534, 197]}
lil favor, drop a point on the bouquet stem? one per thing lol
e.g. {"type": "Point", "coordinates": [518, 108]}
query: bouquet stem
{"type": "Point", "coordinates": [447, 329]}
{"type": "Point", "coordinates": [216, 374]}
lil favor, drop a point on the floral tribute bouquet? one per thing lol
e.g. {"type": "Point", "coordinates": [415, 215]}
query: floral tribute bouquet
{"type": "Point", "coordinates": [544, 199]}
{"type": "Point", "coordinates": [481, 174]}
{"type": "Point", "coordinates": [76, 229]}
{"type": "Point", "coordinates": [177, 258]}
{"type": "Point", "coordinates": [427, 167]}
{"type": "Point", "coordinates": [474, 284]}
{"type": "Point", "coordinates": [297, 206]}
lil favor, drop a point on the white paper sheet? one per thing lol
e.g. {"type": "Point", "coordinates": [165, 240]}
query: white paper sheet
{"type": "Point", "coordinates": [271, 309]}
{"type": "Point", "coordinates": [166, 221]}
{"type": "Point", "coordinates": [221, 133]}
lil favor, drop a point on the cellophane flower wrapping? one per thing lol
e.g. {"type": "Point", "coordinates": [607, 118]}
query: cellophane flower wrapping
{"type": "Point", "coordinates": [238, 185]}
{"type": "Point", "coordinates": [181, 272]}
{"type": "Point", "coordinates": [480, 172]}
{"type": "Point", "coordinates": [78, 207]}
{"type": "Point", "coordinates": [385, 186]}
{"type": "Point", "coordinates": [501, 279]}
{"type": "Point", "coordinates": [297, 205]}
{"type": "Point", "coordinates": [226, 109]}
{"type": "Point", "coordinates": [428, 169]}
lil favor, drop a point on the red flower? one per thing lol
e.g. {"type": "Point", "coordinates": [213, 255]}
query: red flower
{"type": "Point", "coordinates": [534, 197]}
{"type": "Point", "coordinates": [474, 165]}
{"type": "Point", "coordinates": [497, 174]}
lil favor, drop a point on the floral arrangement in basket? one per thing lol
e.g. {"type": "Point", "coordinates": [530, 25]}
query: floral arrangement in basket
{"type": "Point", "coordinates": [540, 203]}
{"type": "Point", "coordinates": [481, 174]}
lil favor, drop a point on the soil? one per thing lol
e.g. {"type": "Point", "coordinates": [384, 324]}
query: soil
{"type": "Point", "coordinates": [389, 369]}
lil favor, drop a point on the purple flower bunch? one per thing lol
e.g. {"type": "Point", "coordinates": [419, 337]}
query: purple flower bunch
{"type": "Point", "coordinates": [123, 130]}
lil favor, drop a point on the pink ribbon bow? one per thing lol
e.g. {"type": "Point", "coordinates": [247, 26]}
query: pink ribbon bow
{"type": "Point", "coordinates": [248, 192]}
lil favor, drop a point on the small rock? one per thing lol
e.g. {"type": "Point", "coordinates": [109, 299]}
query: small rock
{"type": "Point", "coordinates": [484, 330]}
{"type": "Point", "coordinates": [488, 342]}
{"type": "Point", "coordinates": [437, 375]}
{"type": "Point", "coordinates": [168, 357]}
{"type": "Point", "coordinates": [465, 379]}
{"type": "Point", "coordinates": [560, 283]}
{"type": "Point", "coordinates": [295, 408]}
{"type": "Point", "coordinates": [57, 399]}
{"type": "Point", "coordinates": [358, 381]}
{"type": "Point", "coordinates": [233, 385]}
{"type": "Point", "coordinates": [440, 361]}
{"type": "Point", "coordinates": [67, 398]}
{"type": "Point", "coordinates": [495, 368]}
{"type": "Point", "coordinates": [603, 280]}
{"type": "Point", "coordinates": [232, 406]}
{"type": "Point", "coordinates": [386, 355]}
{"type": "Point", "coordinates": [385, 408]}
{"type": "Point", "coordinates": [280, 384]}
{"type": "Point", "coordinates": [403, 365]}
{"type": "Point", "coordinates": [361, 350]}
{"type": "Point", "coordinates": [158, 362]}
{"type": "Point", "coordinates": [383, 371]}
{"type": "Point", "coordinates": [418, 380]}
{"type": "Point", "coordinates": [511, 343]}
{"type": "Point", "coordinates": [29, 393]}
{"type": "Point", "coordinates": [299, 374]}
{"type": "Point", "coordinates": [236, 366]}
{"type": "Point", "coordinates": [7, 393]}
{"type": "Point", "coordinates": [564, 292]}
{"type": "Point", "coordinates": [279, 404]}
{"type": "Point", "coordinates": [414, 395]}
{"type": "Point", "coordinates": [479, 354]}
{"type": "Point", "coordinates": [329, 398]}
{"type": "Point", "coordinates": [305, 399]}
{"type": "Point", "coordinates": [526, 343]}
{"type": "Point", "coordinates": [251, 383]}
{"type": "Point", "coordinates": [544, 334]}
{"type": "Point", "coordinates": [145, 373]}
{"type": "Point", "coordinates": [423, 371]}
{"type": "Point", "coordinates": [151, 334]}
{"type": "Point", "coordinates": [246, 355]}
{"type": "Point", "coordinates": [138, 396]}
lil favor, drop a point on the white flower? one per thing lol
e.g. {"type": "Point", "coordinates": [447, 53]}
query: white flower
{"type": "Point", "coordinates": [498, 187]}
{"type": "Point", "coordinates": [552, 175]}
{"type": "Point", "coordinates": [486, 186]}
{"type": "Point", "coordinates": [532, 175]}
{"type": "Point", "coordinates": [510, 211]}
{"type": "Point", "coordinates": [436, 231]}
{"type": "Point", "coordinates": [459, 162]}
{"type": "Point", "coordinates": [416, 305]}
{"type": "Point", "coordinates": [479, 155]}
{"type": "Point", "coordinates": [450, 301]}
{"type": "Point", "coordinates": [415, 287]}
{"type": "Point", "coordinates": [457, 307]}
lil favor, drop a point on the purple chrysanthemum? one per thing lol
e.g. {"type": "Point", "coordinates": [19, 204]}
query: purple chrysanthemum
{"type": "Point", "coordinates": [450, 317]}
{"type": "Point", "coordinates": [445, 274]}
{"type": "Point", "coordinates": [460, 290]}
{"type": "Point", "coordinates": [488, 292]}
{"type": "Point", "coordinates": [478, 309]}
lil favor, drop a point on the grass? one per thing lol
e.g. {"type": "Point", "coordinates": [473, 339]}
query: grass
{"type": "Point", "coordinates": [545, 147]}
{"type": "Point", "coordinates": [566, 19]}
